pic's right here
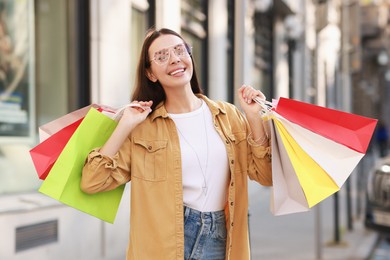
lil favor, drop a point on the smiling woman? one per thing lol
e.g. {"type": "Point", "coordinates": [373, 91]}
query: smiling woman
{"type": "Point", "coordinates": [187, 157]}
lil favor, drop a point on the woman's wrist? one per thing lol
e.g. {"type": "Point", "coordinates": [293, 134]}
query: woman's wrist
{"type": "Point", "coordinates": [253, 116]}
{"type": "Point", "coordinates": [260, 141]}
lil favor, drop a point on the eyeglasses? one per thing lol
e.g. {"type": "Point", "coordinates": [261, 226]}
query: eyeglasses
{"type": "Point", "coordinates": [161, 57]}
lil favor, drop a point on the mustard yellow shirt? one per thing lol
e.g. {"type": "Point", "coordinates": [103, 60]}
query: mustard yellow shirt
{"type": "Point", "coordinates": [150, 158]}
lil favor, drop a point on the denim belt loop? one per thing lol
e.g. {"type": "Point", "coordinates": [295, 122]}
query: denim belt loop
{"type": "Point", "coordinates": [213, 217]}
{"type": "Point", "coordinates": [187, 211]}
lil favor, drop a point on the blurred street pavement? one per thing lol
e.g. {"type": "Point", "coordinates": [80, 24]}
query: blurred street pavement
{"type": "Point", "coordinates": [293, 236]}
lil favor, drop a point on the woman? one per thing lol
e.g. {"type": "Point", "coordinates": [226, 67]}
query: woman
{"type": "Point", "coordinates": [188, 159]}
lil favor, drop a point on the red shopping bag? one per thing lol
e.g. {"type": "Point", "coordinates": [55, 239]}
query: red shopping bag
{"type": "Point", "coordinates": [55, 135]}
{"type": "Point", "coordinates": [348, 129]}
{"type": "Point", "coordinates": [46, 153]}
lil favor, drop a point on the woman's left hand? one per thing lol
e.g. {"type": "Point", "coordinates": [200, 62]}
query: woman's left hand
{"type": "Point", "coordinates": [246, 94]}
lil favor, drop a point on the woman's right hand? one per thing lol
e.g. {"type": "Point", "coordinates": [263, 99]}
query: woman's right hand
{"type": "Point", "coordinates": [132, 116]}
{"type": "Point", "coordinates": [136, 113]}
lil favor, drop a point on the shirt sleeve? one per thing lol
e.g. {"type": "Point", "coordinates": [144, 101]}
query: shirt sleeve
{"type": "Point", "coordinates": [260, 164]}
{"type": "Point", "coordinates": [104, 173]}
{"type": "Point", "coordinates": [259, 160]}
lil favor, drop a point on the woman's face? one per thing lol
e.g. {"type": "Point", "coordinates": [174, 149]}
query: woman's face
{"type": "Point", "coordinates": [171, 63]}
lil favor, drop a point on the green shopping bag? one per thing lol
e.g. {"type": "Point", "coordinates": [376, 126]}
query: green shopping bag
{"type": "Point", "coordinates": [63, 181]}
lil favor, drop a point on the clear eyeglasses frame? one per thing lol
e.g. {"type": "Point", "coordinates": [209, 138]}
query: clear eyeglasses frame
{"type": "Point", "coordinates": [162, 56]}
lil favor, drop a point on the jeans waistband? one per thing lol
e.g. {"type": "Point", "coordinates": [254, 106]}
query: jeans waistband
{"type": "Point", "coordinates": [213, 215]}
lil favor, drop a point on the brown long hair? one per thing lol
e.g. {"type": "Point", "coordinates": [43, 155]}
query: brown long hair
{"type": "Point", "coordinates": [145, 89]}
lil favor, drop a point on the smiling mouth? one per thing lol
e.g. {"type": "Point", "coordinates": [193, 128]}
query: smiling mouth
{"type": "Point", "coordinates": [173, 73]}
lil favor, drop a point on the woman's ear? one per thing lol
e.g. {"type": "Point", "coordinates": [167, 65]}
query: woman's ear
{"type": "Point", "coordinates": [151, 76]}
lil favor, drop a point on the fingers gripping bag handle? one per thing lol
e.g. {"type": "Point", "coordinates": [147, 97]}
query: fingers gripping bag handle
{"type": "Point", "coordinates": [117, 114]}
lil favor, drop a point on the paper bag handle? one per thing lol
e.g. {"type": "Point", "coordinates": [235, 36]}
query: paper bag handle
{"type": "Point", "coordinates": [117, 114]}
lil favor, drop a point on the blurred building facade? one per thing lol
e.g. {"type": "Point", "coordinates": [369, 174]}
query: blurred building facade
{"type": "Point", "coordinates": [373, 81]}
{"type": "Point", "coordinates": [318, 51]}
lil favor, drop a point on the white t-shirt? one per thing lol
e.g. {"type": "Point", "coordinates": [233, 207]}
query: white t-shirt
{"type": "Point", "coordinates": [204, 160]}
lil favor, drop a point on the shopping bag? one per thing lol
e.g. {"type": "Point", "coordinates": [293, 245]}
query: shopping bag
{"type": "Point", "coordinates": [315, 182]}
{"type": "Point", "coordinates": [351, 130]}
{"type": "Point", "coordinates": [337, 160]}
{"type": "Point", "coordinates": [287, 195]}
{"type": "Point", "coordinates": [54, 136]}
{"type": "Point", "coordinates": [63, 181]}
{"type": "Point", "coordinates": [315, 142]}
{"type": "Point", "coordinates": [46, 153]}
{"type": "Point", "coordinates": [48, 129]}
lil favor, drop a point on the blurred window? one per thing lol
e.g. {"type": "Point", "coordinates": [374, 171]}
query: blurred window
{"type": "Point", "coordinates": [194, 30]}
{"type": "Point", "coordinates": [52, 35]}
{"type": "Point", "coordinates": [139, 25]}
{"type": "Point", "coordinates": [263, 61]}
{"type": "Point", "coordinates": [230, 51]}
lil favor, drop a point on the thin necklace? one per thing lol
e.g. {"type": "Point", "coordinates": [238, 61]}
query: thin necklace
{"type": "Point", "coordinates": [204, 186]}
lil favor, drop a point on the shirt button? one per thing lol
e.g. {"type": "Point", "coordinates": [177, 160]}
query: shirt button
{"type": "Point", "coordinates": [232, 184]}
{"type": "Point", "coordinates": [227, 141]}
{"type": "Point", "coordinates": [149, 147]}
{"type": "Point", "coordinates": [231, 203]}
{"type": "Point", "coordinates": [232, 224]}
{"type": "Point", "coordinates": [232, 161]}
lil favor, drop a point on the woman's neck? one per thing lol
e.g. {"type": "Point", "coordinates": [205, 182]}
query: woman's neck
{"type": "Point", "coordinates": [183, 102]}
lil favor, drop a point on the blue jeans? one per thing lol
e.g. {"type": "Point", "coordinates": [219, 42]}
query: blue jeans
{"type": "Point", "coordinates": [204, 235]}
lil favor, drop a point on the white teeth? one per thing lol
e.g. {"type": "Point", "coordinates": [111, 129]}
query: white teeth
{"type": "Point", "coordinates": [176, 71]}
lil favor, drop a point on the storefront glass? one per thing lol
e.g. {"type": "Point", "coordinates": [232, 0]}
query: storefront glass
{"type": "Point", "coordinates": [16, 71]}
{"type": "Point", "coordinates": [139, 25]}
{"type": "Point", "coordinates": [262, 71]}
{"type": "Point", "coordinates": [194, 30]}
{"type": "Point", "coordinates": [36, 83]}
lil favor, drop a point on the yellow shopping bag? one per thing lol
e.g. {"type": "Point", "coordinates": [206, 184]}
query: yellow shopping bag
{"type": "Point", "coordinates": [287, 195]}
{"type": "Point", "coordinates": [315, 182]}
